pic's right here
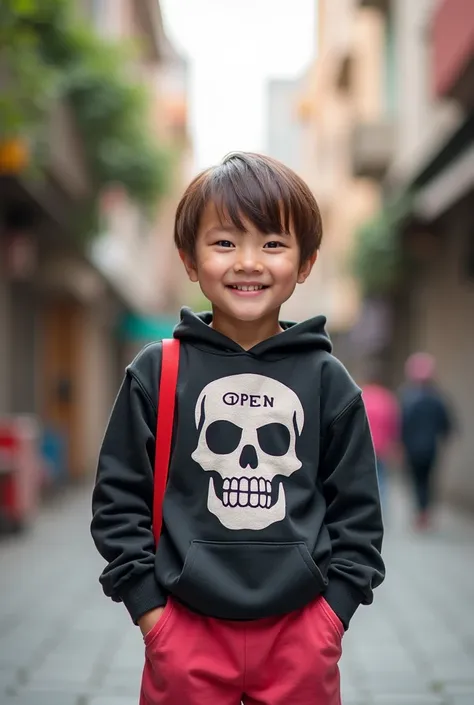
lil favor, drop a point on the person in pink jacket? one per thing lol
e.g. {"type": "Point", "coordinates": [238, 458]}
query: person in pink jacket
{"type": "Point", "coordinates": [384, 420]}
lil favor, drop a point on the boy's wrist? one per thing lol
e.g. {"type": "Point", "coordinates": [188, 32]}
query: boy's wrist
{"type": "Point", "coordinates": [141, 596]}
{"type": "Point", "coordinates": [148, 620]}
{"type": "Point", "coordinates": [342, 599]}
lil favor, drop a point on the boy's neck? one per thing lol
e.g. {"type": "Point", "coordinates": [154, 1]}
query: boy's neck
{"type": "Point", "coordinates": [247, 334]}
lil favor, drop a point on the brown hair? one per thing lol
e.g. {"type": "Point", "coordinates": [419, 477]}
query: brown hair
{"type": "Point", "coordinates": [263, 190]}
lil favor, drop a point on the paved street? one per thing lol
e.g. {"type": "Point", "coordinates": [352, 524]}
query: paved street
{"type": "Point", "coordinates": [63, 643]}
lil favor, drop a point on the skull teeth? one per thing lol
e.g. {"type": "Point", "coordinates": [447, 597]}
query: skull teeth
{"type": "Point", "coordinates": [245, 492]}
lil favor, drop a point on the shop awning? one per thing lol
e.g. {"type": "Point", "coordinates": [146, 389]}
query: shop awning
{"type": "Point", "coordinates": [449, 176]}
{"type": "Point", "coordinates": [136, 328]}
{"type": "Point", "coordinates": [454, 147]}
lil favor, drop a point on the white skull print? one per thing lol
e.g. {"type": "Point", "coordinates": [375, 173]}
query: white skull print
{"type": "Point", "coordinates": [248, 426]}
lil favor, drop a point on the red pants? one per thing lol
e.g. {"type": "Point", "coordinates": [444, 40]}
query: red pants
{"type": "Point", "coordinates": [195, 660]}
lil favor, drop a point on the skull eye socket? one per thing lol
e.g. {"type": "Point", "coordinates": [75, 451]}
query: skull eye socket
{"type": "Point", "coordinates": [223, 437]}
{"type": "Point", "coordinates": [274, 439]}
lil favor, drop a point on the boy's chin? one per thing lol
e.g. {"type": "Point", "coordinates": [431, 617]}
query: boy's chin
{"type": "Point", "coordinates": [250, 313]}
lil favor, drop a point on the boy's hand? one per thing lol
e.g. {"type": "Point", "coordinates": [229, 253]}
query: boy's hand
{"type": "Point", "coordinates": [149, 619]}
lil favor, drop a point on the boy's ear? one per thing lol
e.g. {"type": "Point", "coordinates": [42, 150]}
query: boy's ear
{"type": "Point", "coordinates": [306, 267]}
{"type": "Point", "coordinates": [189, 265]}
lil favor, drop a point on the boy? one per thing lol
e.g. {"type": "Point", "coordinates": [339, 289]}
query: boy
{"type": "Point", "coordinates": [272, 526]}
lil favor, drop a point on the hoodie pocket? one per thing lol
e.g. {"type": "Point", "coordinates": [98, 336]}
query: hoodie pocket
{"type": "Point", "coordinates": [239, 580]}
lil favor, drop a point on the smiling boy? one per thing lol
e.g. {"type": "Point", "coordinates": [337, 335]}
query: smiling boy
{"type": "Point", "coordinates": [272, 526]}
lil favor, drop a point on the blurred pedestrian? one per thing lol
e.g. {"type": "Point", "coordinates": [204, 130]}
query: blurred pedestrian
{"type": "Point", "coordinates": [272, 526]}
{"type": "Point", "coordinates": [383, 413]}
{"type": "Point", "coordinates": [426, 425]}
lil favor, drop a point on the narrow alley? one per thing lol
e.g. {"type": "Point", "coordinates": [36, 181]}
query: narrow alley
{"type": "Point", "coordinates": [63, 643]}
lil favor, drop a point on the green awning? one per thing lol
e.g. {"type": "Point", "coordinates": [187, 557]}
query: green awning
{"type": "Point", "coordinates": [145, 328]}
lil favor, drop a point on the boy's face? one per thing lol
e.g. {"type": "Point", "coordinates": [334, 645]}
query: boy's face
{"type": "Point", "coordinates": [246, 275]}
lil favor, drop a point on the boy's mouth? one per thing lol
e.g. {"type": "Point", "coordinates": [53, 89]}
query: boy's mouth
{"type": "Point", "coordinates": [247, 288]}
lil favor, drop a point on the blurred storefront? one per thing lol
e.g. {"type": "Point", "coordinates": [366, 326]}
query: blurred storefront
{"type": "Point", "coordinates": [56, 335]}
{"type": "Point", "coordinates": [388, 134]}
{"type": "Point", "coordinates": [431, 300]}
{"type": "Point", "coordinates": [74, 311]}
{"type": "Point", "coordinates": [441, 295]}
{"type": "Point", "coordinates": [136, 252]}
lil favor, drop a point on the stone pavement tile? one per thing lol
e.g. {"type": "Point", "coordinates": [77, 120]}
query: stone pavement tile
{"type": "Point", "coordinates": [461, 693]}
{"type": "Point", "coordinates": [463, 687]}
{"type": "Point", "coordinates": [397, 684]}
{"type": "Point", "coordinates": [71, 680]}
{"type": "Point", "coordinates": [73, 686]}
{"type": "Point", "coordinates": [451, 669]}
{"type": "Point", "coordinates": [352, 680]}
{"type": "Point", "coordinates": [131, 653]}
{"type": "Point", "coordinates": [398, 674]}
{"type": "Point", "coordinates": [18, 653]}
{"type": "Point", "coordinates": [36, 697]}
{"type": "Point", "coordinates": [407, 699]}
{"type": "Point", "coordinates": [7, 679]}
{"type": "Point", "coordinates": [353, 696]}
{"type": "Point", "coordinates": [126, 681]}
{"type": "Point", "coordinates": [114, 700]}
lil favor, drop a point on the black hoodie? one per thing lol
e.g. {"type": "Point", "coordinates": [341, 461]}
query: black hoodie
{"type": "Point", "coordinates": [272, 496]}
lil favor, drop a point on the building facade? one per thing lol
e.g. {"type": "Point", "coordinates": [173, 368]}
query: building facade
{"type": "Point", "coordinates": [345, 114]}
{"type": "Point", "coordinates": [73, 314]}
{"type": "Point", "coordinates": [432, 303]}
{"type": "Point", "coordinates": [441, 174]}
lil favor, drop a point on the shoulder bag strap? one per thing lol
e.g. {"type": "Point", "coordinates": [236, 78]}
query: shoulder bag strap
{"type": "Point", "coordinates": [164, 427]}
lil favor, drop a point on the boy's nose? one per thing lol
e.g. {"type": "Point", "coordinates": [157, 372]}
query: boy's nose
{"type": "Point", "coordinates": [248, 262]}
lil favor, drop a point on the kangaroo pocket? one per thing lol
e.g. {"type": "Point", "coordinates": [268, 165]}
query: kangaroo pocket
{"type": "Point", "coordinates": [238, 580]}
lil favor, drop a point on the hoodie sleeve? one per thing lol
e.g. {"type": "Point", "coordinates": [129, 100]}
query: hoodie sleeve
{"type": "Point", "coordinates": [122, 501]}
{"type": "Point", "coordinates": [353, 515]}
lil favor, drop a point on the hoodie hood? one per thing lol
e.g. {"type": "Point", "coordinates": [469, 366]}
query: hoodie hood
{"type": "Point", "coordinates": [194, 328]}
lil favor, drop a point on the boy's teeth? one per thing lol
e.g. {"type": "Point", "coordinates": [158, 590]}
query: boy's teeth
{"type": "Point", "coordinates": [248, 288]}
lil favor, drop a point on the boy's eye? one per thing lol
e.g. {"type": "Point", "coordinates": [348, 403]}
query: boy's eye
{"type": "Point", "coordinates": [224, 243]}
{"type": "Point", "coordinates": [273, 244]}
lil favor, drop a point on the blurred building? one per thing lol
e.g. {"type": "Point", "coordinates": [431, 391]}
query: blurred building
{"type": "Point", "coordinates": [346, 114]}
{"type": "Point", "coordinates": [72, 314]}
{"type": "Point", "coordinates": [284, 141]}
{"type": "Point", "coordinates": [388, 149]}
{"type": "Point", "coordinates": [137, 257]}
{"type": "Point", "coordinates": [433, 304]}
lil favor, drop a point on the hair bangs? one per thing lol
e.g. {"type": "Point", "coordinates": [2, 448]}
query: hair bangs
{"type": "Point", "coordinates": [240, 192]}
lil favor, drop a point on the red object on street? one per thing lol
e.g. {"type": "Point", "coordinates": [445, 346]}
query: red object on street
{"type": "Point", "coordinates": [20, 470]}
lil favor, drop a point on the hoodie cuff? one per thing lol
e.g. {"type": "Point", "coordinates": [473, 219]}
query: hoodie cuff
{"type": "Point", "coordinates": [342, 599]}
{"type": "Point", "coordinates": [143, 595]}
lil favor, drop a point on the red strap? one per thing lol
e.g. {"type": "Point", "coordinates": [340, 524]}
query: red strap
{"type": "Point", "coordinates": [164, 427]}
